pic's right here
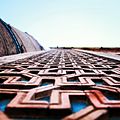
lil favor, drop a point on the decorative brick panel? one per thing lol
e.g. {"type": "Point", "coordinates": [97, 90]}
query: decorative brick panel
{"type": "Point", "coordinates": [61, 84]}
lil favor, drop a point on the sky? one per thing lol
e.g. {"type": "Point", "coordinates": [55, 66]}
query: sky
{"type": "Point", "coordinates": [68, 23]}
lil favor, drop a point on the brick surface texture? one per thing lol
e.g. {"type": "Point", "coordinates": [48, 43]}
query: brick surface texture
{"type": "Point", "coordinates": [14, 41]}
{"type": "Point", "coordinates": [7, 46]}
{"type": "Point", "coordinates": [60, 84]}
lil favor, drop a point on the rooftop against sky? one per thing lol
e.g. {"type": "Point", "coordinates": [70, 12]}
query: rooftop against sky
{"type": "Point", "coordinates": [78, 23]}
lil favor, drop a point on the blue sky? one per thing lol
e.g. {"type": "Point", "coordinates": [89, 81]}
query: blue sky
{"type": "Point", "coordinates": [79, 23]}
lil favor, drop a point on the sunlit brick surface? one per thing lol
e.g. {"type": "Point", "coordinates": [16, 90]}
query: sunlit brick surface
{"type": "Point", "coordinates": [60, 84]}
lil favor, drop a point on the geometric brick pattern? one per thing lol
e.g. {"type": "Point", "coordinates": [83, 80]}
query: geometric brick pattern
{"type": "Point", "coordinates": [61, 84]}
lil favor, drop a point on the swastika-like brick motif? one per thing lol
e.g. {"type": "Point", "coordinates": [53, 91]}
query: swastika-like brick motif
{"type": "Point", "coordinates": [60, 84]}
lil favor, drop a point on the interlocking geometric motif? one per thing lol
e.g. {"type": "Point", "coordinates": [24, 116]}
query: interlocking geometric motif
{"type": "Point", "coordinates": [61, 84]}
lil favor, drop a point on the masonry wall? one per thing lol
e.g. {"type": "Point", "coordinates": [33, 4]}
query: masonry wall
{"type": "Point", "coordinates": [7, 45]}
{"type": "Point", "coordinates": [14, 41]}
{"type": "Point", "coordinates": [28, 42]}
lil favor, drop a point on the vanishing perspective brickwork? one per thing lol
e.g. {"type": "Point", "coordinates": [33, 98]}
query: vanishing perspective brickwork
{"type": "Point", "coordinates": [61, 84]}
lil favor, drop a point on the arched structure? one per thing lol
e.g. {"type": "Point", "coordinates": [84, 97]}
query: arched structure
{"type": "Point", "coordinates": [13, 41]}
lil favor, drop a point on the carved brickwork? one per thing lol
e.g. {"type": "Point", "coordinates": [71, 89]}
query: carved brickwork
{"type": "Point", "coordinates": [61, 84]}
